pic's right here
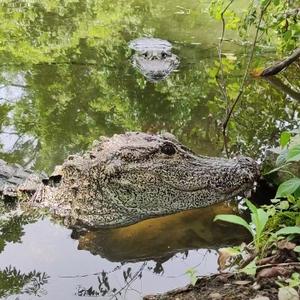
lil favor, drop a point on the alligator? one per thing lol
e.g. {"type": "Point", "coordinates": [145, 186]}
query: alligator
{"type": "Point", "coordinates": [153, 58]}
{"type": "Point", "coordinates": [128, 178]}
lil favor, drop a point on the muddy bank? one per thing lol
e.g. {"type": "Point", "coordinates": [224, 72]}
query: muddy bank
{"type": "Point", "coordinates": [225, 287]}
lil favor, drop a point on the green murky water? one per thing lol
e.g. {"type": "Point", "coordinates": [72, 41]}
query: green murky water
{"type": "Point", "coordinates": [66, 79]}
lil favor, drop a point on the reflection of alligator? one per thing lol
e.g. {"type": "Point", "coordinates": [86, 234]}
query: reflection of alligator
{"type": "Point", "coordinates": [159, 238]}
{"type": "Point", "coordinates": [131, 177]}
{"type": "Point", "coordinates": [153, 58]}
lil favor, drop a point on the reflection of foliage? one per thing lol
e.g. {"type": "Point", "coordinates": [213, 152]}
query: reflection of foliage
{"type": "Point", "coordinates": [11, 227]}
{"type": "Point", "coordinates": [282, 21]}
{"type": "Point", "coordinates": [13, 281]}
{"type": "Point", "coordinates": [4, 110]}
{"type": "Point", "coordinates": [280, 26]}
{"type": "Point", "coordinates": [104, 288]}
{"type": "Point", "coordinates": [24, 149]}
{"type": "Point", "coordinates": [80, 84]}
{"type": "Point", "coordinates": [70, 38]}
{"type": "Point", "coordinates": [35, 31]}
{"type": "Point", "coordinates": [90, 292]}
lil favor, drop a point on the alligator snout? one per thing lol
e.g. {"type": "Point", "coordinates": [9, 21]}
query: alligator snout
{"type": "Point", "coordinates": [249, 168]}
{"type": "Point", "coordinates": [242, 176]}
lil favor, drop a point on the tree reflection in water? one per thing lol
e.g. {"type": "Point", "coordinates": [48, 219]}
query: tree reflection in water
{"type": "Point", "coordinates": [73, 81]}
{"type": "Point", "coordinates": [104, 288]}
{"type": "Point", "coordinates": [12, 281]}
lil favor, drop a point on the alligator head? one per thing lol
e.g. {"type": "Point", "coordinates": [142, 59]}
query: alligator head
{"type": "Point", "coordinates": [153, 58]}
{"type": "Point", "coordinates": [134, 176]}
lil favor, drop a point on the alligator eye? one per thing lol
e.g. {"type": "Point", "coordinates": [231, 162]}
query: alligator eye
{"type": "Point", "coordinates": [168, 149]}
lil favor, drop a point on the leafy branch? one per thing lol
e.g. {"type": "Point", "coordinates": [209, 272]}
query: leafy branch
{"type": "Point", "coordinates": [222, 83]}
{"type": "Point", "coordinates": [220, 72]}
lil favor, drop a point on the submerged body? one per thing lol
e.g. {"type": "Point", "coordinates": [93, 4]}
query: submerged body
{"type": "Point", "coordinates": [134, 176]}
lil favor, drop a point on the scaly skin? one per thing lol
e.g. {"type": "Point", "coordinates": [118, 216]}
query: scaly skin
{"type": "Point", "coordinates": [134, 176]}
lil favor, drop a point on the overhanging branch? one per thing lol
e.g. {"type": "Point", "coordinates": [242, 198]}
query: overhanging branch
{"type": "Point", "coordinates": [276, 68]}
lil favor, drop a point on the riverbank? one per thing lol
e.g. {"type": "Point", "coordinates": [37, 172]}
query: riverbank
{"type": "Point", "coordinates": [232, 286]}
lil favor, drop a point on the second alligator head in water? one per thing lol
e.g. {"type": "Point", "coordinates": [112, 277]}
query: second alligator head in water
{"type": "Point", "coordinates": [153, 58]}
{"type": "Point", "coordinates": [134, 176]}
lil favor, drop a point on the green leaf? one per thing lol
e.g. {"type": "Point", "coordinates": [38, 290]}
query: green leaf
{"type": "Point", "coordinates": [293, 154]}
{"type": "Point", "coordinates": [235, 220]}
{"type": "Point", "coordinates": [264, 3]}
{"type": "Point", "coordinates": [281, 158]}
{"type": "Point", "coordinates": [283, 205]}
{"type": "Point", "coordinates": [192, 274]}
{"type": "Point", "coordinates": [297, 193]}
{"type": "Point", "coordinates": [259, 218]}
{"type": "Point", "coordinates": [278, 168]}
{"type": "Point", "coordinates": [250, 269]}
{"type": "Point", "coordinates": [251, 206]}
{"type": "Point", "coordinates": [289, 230]}
{"type": "Point", "coordinates": [284, 138]}
{"type": "Point", "coordinates": [232, 250]}
{"type": "Point", "coordinates": [287, 293]}
{"type": "Point", "coordinates": [297, 249]}
{"type": "Point", "coordinates": [291, 199]}
{"type": "Point", "coordinates": [262, 219]}
{"type": "Point", "coordinates": [288, 187]}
